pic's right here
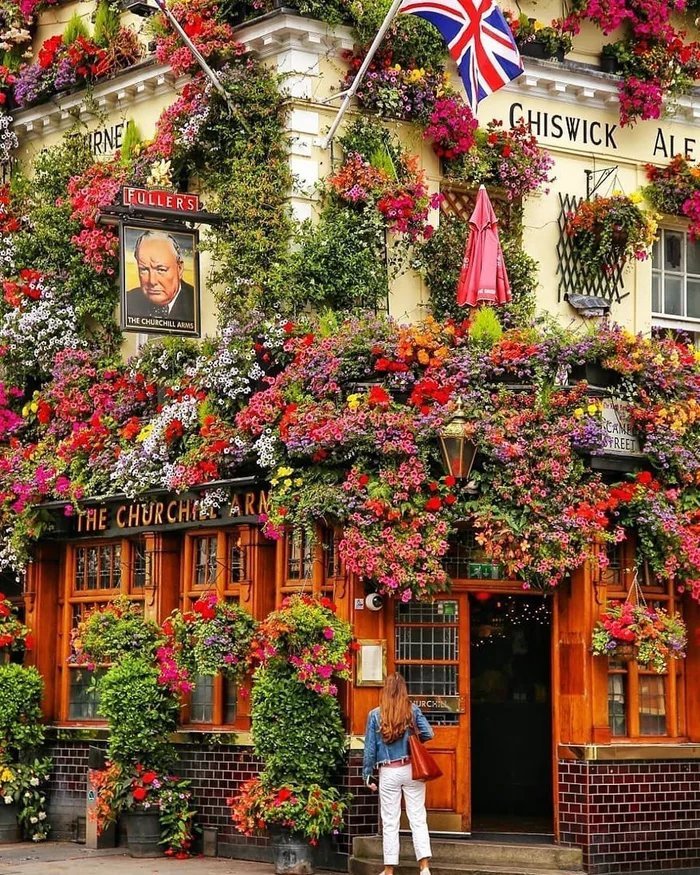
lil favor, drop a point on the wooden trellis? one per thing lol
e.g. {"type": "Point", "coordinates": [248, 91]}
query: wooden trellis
{"type": "Point", "coordinates": [577, 277]}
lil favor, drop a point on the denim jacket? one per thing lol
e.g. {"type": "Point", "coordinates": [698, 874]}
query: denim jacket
{"type": "Point", "coordinates": [378, 751]}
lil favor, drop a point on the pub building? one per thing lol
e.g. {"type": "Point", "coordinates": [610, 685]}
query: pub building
{"type": "Point", "coordinates": [535, 736]}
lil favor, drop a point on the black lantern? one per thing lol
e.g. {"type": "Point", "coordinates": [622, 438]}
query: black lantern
{"type": "Point", "coordinates": [458, 451]}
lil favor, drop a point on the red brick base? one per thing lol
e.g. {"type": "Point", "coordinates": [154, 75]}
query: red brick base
{"type": "Point", "coordinates": [631, 817]}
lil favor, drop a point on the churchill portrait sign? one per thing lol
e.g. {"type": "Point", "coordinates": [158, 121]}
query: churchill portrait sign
{"type": "Point", "coordinates": [160, 280]}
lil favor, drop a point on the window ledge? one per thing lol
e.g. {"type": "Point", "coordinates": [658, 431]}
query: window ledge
{"type": "Point", "coordinates": [630, 751]}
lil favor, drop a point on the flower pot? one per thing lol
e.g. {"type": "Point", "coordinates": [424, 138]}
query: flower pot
{"type": "Point", "coordinates": [534, 49]}
{"type": "Point", "coordinates": [594, 374]}
{"type": "Point", "coordinates": [291, 853]}
{"type": "Point", "coordinates": [608, 64]}
{"type": "Point", "coordinates": [624, 653]}
{"type": "Point", "coordinates": [9, 828]}
{"type": "Point", "coordinates": [143, 833]}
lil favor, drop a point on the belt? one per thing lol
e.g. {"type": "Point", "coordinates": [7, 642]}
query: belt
{"type": "Point", "coordinates": [394, 763]}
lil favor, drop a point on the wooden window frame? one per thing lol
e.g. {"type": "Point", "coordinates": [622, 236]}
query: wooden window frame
{"type": "Point", "coordinates": [327, 578]}
{"type": "Point", "coordinates": [73, 597]}
{"type": "Point", "coordinates": [224, 588]}
{"type": "Point", "coordinates": [665, 596]}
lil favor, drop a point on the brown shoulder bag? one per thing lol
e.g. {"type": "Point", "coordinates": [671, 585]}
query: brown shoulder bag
{"type": "Point", "coordinates": [423, 765]}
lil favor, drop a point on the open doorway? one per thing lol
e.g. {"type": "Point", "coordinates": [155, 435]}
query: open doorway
{"type": "Point", "coordinates": [511, 714]}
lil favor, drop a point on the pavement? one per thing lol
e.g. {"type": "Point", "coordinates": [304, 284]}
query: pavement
{"type": "Point", "coordinates": [66, 858]}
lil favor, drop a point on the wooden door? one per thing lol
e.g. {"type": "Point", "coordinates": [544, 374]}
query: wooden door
{"type": "Point", "coordinates": [431, 650]}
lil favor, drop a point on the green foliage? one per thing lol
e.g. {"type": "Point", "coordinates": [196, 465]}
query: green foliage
{"type": "Point", "coordinates": [297, 733]}
{"type": "Point", "coordinates": [368, 136]}
{"type": "Point", "coordinates": [130, 141]}
{"type": "Point", "coordinates": [413, 40]}
{"type": "Point", "coordinates": [339, 263]}
{"type": "Point", "coordinates": [75, 28]}
{"type": "Point", "coordinates": [141, 714]}
{"type": "Point", "coordinates": [165, 359]}
{"type": "Point", "coordinates": [111, 632]}
{"type": "Point", "coordinates": [21, 730]}
{"type": "Point", "coordinates": [106, 25]}
{"type": "Point", "coordinates": [485, 329]}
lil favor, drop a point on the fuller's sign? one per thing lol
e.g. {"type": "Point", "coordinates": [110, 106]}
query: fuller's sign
{"type": "Point", "coordinates": [162, 200]}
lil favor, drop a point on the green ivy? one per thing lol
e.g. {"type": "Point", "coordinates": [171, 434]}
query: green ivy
{"type": "Point", "coordinates": [298, 733]}
{"type": "Point", "coordinates": [141, 713]}
{"type": "Point", "coordinates": [338, 263]}
{"type": "Point", "coordinates": [21, 730]}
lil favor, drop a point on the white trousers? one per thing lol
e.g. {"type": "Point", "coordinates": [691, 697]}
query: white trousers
{"type": "Point", "coordinates": [392, 781]}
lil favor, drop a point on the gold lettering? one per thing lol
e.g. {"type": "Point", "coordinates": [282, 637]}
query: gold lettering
{"type": "Point", "coordinates": [250, 504]}
{"type": "Point", "coordinates": [158, 518]}
{"type": "Point", "coordinates": [121, 510]}
{"type": "Point", "coordinates": [184, 509]}
{"type": "Point", "coordinates": [170, 514]}
{"type": "Point", "coordinates": [146, 514]}
{"type": "Point", "coordinates": [102, 519]}
{"type": "Point", "coordinates": [263, 503]}
{"type": "Point", "coordinates": [235, 509]}
{"type": "Point", "coordinates": [133, 516]}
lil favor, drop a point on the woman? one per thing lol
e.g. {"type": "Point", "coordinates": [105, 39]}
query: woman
{"type": "Point", "coordinates": [386, 746]}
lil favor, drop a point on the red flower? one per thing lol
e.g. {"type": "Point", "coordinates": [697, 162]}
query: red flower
{"type": "Point", "coordinates": [450, 480]}
{"type": "Point", "coordinates": [149, 777]}
{"type": "Point", "coordinates": [644, 477]}
{"type": "Point", "coordinates": [378, 397]}
{"type": "Point", "coordinates": [139, 793]}
{"type": "Point", "coordinates": [433, 504]}
{"type": "Point", "coordinates": [363, 479]}
{"type": "Point", "coordinates": [29, 642]}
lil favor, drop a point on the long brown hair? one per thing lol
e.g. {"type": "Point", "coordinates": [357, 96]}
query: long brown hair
{"type": "Point", "coordinates": [395, 711]}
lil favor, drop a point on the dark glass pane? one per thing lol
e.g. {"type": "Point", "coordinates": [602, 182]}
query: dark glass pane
{"type": "Point", "coordinates": [656, 293]}
{"type": "Point", "coordinates": [673, 296]}
{"type": "Point", "coordinates": [673, 242]}
{"type": "Point", "coordinates": [693, 299]}
{"type": "Point", "coordinates": [80, 557]}
{"type": "Point", "coordinates": [205, 561]}
{"type": "Point", "coordinates": [230, 695]}
{"type": "Point", "coordinates": [138, 580]}
{"type": "Point", "coordinates": [84, 701]}
{"type": "Point", "coordinates": [692, 256]}
{"type": "Point", "coordinates": [202, 700]}
{"type": "Point", "coordinates": [652, 704]}
{"type": "Point", "coordinates": [92, 568]}
{"type": "Point", "coordinates": [617, 711]}
{"type": "Point", "coordinates": [237, 560]}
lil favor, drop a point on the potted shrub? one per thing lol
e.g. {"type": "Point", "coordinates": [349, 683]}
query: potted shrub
{"type": "Point", "coordinates": [650, 636]}
{"type": "Point", "coordinates": [22, 771]}
{"type": "Point", "coordinates": [609, 57]}
{"type": "Point", "coordinates": [141, 708]}
{"type": "Point", "coordinates": [297, 731]}
{"type": "Point", "coordinates": [537, 40]}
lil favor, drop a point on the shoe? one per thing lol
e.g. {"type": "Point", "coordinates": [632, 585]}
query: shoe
{"type": "Point", "coordinates": [424, 872]}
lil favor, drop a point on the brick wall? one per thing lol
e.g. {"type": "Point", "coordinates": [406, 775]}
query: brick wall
{"type": "Point", "coordinates": [631, 817]}
{"type": "Point", "coordinates": [216, 772]}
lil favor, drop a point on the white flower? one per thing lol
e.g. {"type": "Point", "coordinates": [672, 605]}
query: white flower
{"type": "Point", "coordinates": [8, 800]}
{"type": "Point", "coordinates": [34, 820]}
{"type": "Point", "coordinates": [42, 815]}
{"type": "Point", "coordinates": [34, 782]}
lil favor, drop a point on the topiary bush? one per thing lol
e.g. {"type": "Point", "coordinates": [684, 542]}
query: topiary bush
{"type": "Point", "coordinates": [21, 730]}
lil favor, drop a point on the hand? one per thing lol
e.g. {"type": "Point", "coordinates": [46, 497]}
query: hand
{"type": "Point", "coordinates": [373, 787]}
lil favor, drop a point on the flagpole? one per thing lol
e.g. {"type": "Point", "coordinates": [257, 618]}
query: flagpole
{"type": "Point", "coordinates": [206, 69]}
{"type": "Point", "coordinates": [359, 76]}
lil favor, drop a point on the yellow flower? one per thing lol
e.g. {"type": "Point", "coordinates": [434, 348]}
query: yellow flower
{"type": "Point", "coordinates": [636, 197]}
{"type": "Point", "coordinates": [287, 482]}
{"type": "Point", "coordinates": [144, 433]}
{"type": "Point", "coordinates": [284, 472]}
{"type": "Point", "coordinates": [298, 482]}
{"type": "Point", "coordinates": [592, 409]}
{"type": "Point", "coordinates": [354, 401]}
{"type": "Point", "coordinates": [578, 413]}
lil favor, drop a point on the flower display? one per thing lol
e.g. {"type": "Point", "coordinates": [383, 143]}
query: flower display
{"type": "Point", "coordinates": [451, 127]}
{"type": "Point", "coordinates": [655, 635]}
{"type": "Point", "coordinates": [108, 632]}
{"type": "Point", "coordinates": [215, 636]}
{"type": "Point", "coordinates": [140, 789]}
{"type": "Point", "coordinates": [608, 232]}
{"type": "Point", "coordinates": [675, 189]}
{"type": "Point", "coordinates": [22, 783]}
{"type": "Point", "coordinates": [552, 38]}
{"type": "Point", "coordinates": [393, 91]}
{"type": "Point", "coordinates": [510, 159]}
{"type": "Point", "coordinates": [14, 635]}
{"type": "Point", "coordinates": [309, 811]}
{"type": "Point", "coordinates": [307, 634]}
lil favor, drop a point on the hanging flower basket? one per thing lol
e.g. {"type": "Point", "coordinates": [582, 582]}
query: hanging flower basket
{"type": "Point", "coordinates": [630, 631]}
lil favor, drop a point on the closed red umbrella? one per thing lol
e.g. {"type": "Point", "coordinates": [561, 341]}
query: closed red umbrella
{"type": "Point", "coordinates": [483, 278]}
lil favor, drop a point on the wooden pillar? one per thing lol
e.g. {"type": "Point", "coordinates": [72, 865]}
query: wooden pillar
{"type": "Point", "coordinates": [43, 595]}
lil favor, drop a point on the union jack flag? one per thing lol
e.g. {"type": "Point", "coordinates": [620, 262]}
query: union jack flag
{"type": "Point", "coordinates": [479, 40]}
